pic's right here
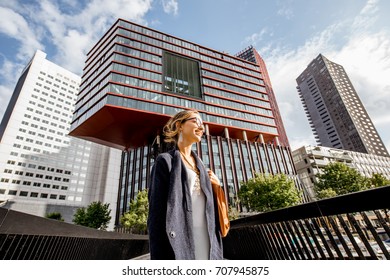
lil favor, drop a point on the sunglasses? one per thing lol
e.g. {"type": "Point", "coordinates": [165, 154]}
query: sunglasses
{"type": "Point", "coordinates": [199, 122]}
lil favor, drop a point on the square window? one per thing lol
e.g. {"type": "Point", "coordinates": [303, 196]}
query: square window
{"type": "Point", "coordinates": [23, 193]}
{"type": "Point", "coordinates": [34, 194]}
{"type": "Point", "coordinates": [181, 75]}
{"type": "Point", "coordinates": [12, 192]}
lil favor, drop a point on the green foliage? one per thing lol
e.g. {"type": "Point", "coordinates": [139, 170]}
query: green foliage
{"type": "Point", "coordinates": [55, 216]}
{"type": "Point", "coordinates": [96, 215]}
{"type": "Point", "coordinates": [136, 218]}
{"type": "Point", "coordinates": [326, 193]}
{"type": "Point", "coordinates": [378, 180]}
{"type": "Point", "coordinates": [268, 192]}
{"type": "Point", "coordinates": [338, 179]}
{"type": "Point", "coordinates": [233, 213]}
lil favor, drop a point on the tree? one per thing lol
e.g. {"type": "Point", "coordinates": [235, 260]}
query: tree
{"type": "Point", "coordinates": [338, 178]}
{"type": "Point", "coordinates": [268, 192]}
{"type": "Point", "coordinates": [55, 216]}
{"type": "Point", "coordinates": [378, 180]}
{"type": "Point", "coordinates": [326, 193]}
{"type": "Point", "coordinates": [96, 215]}
{"type": "Point", "coordinates": [136, 218]}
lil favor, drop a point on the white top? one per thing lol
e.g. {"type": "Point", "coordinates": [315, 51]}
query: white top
{"type": "Point", "coordinates": [201, 237]}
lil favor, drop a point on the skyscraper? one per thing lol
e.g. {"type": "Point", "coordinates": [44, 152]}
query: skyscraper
{"type": "Point", "coordinates": [335, 112]}
{"type": "Point", "coordinates": [135, 78]}
{"type": "Point", "coordinates": [42, 169]}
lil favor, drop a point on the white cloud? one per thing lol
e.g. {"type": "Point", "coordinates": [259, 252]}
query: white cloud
{"type": "Point", "coordinates": [256, 37]}
{"type": "Point", "coordinates": [14, 25]}
{"type": "Point", "coordinates": [285, 9]}
{"type": "Point", "coordinates": [69, 34]}
{"type": "Point", "coordinates": [74, 34]}
{"type": "Point", "coordinates": [170, 6]}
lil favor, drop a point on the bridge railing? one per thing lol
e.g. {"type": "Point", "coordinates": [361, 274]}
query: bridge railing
{"type": "Point", "coordinates": [352, 226]}
{"type": "Point", "coordinates": [28, 237]}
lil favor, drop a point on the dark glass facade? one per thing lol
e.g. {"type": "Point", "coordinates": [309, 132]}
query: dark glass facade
{"type": "Point", "coordinates": [181, 75]}
{"type": "Point", "coordinates": [135, 78]}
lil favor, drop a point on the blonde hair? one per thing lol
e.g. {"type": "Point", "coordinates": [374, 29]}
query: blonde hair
{"type": "Point", "coordinates": [172, 127]}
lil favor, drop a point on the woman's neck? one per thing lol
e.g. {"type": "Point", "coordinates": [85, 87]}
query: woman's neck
{"type": "Point", "coordinates": [185, 148]}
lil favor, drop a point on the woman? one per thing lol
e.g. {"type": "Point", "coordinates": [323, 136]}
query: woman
{"type": "Point", "coordinates": [182, 221]}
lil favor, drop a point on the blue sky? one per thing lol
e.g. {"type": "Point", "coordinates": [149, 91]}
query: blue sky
{"type": "Point", "coordinates": [288, 35]}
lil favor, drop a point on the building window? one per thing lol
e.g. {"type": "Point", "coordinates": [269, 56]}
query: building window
{"type": "Point", "coordinates": [181, 75]}
{"type": "Point", "coordinates": [23, 193]}
{"type": "Point", "coordinates": [34, 194]}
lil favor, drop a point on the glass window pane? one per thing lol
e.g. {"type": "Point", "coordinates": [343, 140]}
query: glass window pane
{"type": "Point", "coordinates": [181, 75]}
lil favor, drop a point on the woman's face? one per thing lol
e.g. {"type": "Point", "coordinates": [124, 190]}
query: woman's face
{"type": "Point", "coordinates": [192, 128]}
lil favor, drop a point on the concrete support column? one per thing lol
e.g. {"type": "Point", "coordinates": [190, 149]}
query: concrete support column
{"type": "Point", "coordinates": [261, 138]}
{"type": "Point", "coordinates": [244, 136]}
{"type": "Point", "coordinates": [206, 129]}
{"type": "Point", "coordinates": [226, 131]}
{"type": "Point", "coordinates": [277, 141]}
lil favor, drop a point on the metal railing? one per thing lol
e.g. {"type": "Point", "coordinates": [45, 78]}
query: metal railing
{"type": "Point", "coordinates": [345, 227]}
{"type": "Point", "coordinates": [352, 226]}
{"type": "Point", "coordinates": [28, 237]}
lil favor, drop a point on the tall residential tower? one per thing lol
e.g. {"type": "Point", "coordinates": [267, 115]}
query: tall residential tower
{"type": "Point", "coordinates": [335, 112]}
{"type": "Point", "coordinates": [42, 169]}
{"type": "Point", "coordinates": [135, 78]}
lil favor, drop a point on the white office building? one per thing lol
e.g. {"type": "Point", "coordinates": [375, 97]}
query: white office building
{"type": "Point", "coordinates": [310, 161]}
{"type": "Point", "coordinates": [42, 169]}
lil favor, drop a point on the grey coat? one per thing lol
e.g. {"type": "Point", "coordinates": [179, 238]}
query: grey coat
{"type": "Point", "coordinates": [170, 210]}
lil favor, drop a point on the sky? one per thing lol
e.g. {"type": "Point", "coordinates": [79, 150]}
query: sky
{"type": "Point", "coordinates": [288, 35]}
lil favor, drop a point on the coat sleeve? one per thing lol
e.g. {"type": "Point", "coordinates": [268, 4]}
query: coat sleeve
{"type": "Point", "coordinates": [159, 244]}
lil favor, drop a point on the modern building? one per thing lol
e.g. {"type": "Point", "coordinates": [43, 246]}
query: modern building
{"type": "Point", "coordinates": [309, 161]}
{"type": "Point", "coordinates": [135, 78]}
{"type": "Point", "coordinates": [42, 169]}
{"type": "Point", "coordinates": [335, 112]}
